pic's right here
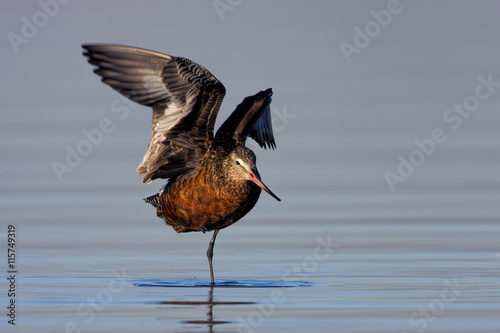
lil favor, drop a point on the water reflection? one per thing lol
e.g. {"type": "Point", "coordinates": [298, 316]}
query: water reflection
{"type": "Point", "coordinates": [209, 320]}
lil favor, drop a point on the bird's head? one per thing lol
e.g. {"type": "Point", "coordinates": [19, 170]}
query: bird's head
{"type": "Point", "coordinates": [241, 165]}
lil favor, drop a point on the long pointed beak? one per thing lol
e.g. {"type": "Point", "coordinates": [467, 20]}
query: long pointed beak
{"type": "Point", "coordinates": [255, 177]}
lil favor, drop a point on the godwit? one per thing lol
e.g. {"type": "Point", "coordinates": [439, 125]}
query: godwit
{"type": "Point", "coordinates": [212, 180]}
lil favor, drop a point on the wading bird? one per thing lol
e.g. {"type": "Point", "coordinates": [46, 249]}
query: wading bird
{"type": "Point", "coordinates": [212, 181]}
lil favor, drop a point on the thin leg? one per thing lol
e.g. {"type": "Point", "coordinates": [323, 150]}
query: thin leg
{"type": "Point", "coordinates": [210, 254]}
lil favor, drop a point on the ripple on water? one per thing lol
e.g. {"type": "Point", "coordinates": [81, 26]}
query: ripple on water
{"type": "Point", "coordinates": [199, 283]}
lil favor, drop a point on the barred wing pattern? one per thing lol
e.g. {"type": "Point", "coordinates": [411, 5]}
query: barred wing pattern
{"type": "Point", "coordinates": [252, 117]}
{"type": "Point", "coordinates": [185, 98]}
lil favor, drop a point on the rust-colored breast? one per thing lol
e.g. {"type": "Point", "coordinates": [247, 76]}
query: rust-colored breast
{"type": "Point", "coordinates": [205, 202]}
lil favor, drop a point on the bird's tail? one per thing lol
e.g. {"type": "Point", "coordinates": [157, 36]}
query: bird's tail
{"type": "Point", "coordinates": [154, 200]}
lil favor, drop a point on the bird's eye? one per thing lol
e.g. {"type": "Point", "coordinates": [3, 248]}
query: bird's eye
{"type": "Point", "coordinates": [237, 162]}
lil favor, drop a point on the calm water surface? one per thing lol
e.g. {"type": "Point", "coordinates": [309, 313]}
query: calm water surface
{"type": "Point", "coordinates": [340, 253]}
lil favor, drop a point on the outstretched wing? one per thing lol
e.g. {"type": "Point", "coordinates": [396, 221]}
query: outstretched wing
{"type": "Point", "coordinates": [185, 98]}
{"type": "Point", "coordinates": [252, 118]}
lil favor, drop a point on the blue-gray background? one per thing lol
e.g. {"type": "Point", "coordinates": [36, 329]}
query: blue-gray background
{"type": "Point", "coordinates": [341, 123]}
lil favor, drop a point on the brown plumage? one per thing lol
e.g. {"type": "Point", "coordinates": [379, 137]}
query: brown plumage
{"type": "Point", "coordinates": [212, 180]}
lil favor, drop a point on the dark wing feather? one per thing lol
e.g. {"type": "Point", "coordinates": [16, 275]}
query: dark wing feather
{"type": "Point", "coordinates": [185, 98]}
{"type": "Point", "coordinates": [252, 118]}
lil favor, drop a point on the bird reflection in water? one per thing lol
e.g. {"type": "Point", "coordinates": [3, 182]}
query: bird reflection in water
{"type": "Point", "coordinates": [209, 321]}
